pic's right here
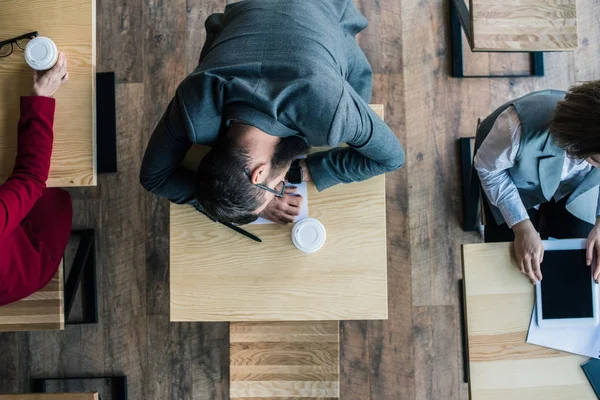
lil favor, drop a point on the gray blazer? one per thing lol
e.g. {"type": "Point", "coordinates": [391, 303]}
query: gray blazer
{"type": "Point", "coordinates": [287, 67]}
{"type": "Point", "coordinates": [539, 163]}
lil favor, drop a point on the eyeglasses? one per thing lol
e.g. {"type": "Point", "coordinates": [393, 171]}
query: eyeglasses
{"type": "Point", "coordinates": [7, 46]}
{"type": "Point", "coordinates": [276, 192]}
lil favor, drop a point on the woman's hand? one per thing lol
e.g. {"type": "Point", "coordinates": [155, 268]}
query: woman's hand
{"type": "Point", "coordinates": [283, 210]}
{"type": "Point", "coordinates": [593, 249]}
{"type": "Point", "coordinates": [46, 83]}
{"type": "Point", "coordinates": [529, 250]}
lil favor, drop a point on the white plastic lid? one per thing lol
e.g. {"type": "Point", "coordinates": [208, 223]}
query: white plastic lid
{"type": "Point", "coordinates": [309, 235]}
{"type": "Point", "coordinates": [41, 53]}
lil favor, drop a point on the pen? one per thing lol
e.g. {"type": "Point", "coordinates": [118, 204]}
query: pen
{"type": "Point", "coordinates": [242, 231]}
{"type": "Point", "coordinates": [231, 226]}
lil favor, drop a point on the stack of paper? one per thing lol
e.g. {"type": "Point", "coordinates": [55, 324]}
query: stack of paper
{"type": "Point", "coordinates": [582, 340]}
{"type": "Point", "coordinates": [303, 191]}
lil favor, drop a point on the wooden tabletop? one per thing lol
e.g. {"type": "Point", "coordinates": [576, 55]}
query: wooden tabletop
{"type": "Point", "coordinates": [50, 396]}
{"type": "Point", "coordinates": [219, 275]}
{"type": "Point", "coordinates": [71, 24]}
{"type": "Point", "coordinates": [524, 25]}
{"type": "Point", "coordinates": [284, 360]}
{"type": "Point", "coordinates": [499, 303]}
{"type": "Point", "coordinates": [42, 311]}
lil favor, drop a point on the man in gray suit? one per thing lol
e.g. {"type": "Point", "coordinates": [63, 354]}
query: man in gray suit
{"type": "Point", "coordinates": [275, 77]}
{"type": "Point", "coordinates": [538, 156]}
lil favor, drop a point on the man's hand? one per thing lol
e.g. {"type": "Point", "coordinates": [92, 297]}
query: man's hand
{"type": "Point", "coordinates": [529, 250]}
{"type": "Point", "coordinates": [283, 210]}
{"type": "Point", "coordinates": [593, 249]}
{"type": "Point", "coordinates": [46, 83]}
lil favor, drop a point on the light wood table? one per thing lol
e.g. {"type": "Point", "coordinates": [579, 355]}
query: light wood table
{"type": "Point", "coordinates": [50, 396]}
{"type": "Point", "coordinates": [72, 26]}
{"type": "Point", "coordinates": [219, 275]}
{"type": "Point", "coordinates": [499, 301]}
{"type": "Point", "coordinates": [42, 311]}
{"type": "Point", "coordinates": [284, 360]}
{"type": "Point", "coordinates": [519, 25]}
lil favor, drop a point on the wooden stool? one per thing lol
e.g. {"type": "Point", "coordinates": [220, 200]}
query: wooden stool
{"type": "Point", "coordinates": [42, 311]}
{"type": "Point", "coordinates": [50, 307]}
{"type": "Point", "coordinates": [50, 396]}
{"type": "Point", "coordinates": [513, 26]}
{"type": "Point", "coordinates": [284, 360]}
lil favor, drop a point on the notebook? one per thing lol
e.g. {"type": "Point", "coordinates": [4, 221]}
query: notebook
{"type": "Point", "coordinates": [302, 190]}
{"type": "Point", "coordinates": [591, 368]}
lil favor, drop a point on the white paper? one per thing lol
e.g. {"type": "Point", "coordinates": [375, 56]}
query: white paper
{"type": "Point", "coordinates": [303, 191]}
{"type": "Point", "coordinates": [582, 340]}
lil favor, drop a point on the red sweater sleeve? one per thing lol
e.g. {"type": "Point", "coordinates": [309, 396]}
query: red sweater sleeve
{"type": "Point", "coordinates": [24, 187]}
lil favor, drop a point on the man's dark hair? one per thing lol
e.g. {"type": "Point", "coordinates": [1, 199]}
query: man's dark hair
{"type": "Point", "coordinates": [575, 124]}
{"type": "Point", "coordinates": [223, 189]}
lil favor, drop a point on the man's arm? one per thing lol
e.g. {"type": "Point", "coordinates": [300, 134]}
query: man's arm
{"type": "Point", "coordinates": [161, 173]}
{"type": "Point", "coordinates": [373, 147]}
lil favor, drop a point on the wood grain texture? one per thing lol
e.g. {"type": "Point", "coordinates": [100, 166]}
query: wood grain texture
{"type": "Point", "coordinates": [121, 34]}
{"type": "Point", "coordinates": [435, 351]}
{"type": "Point", "coordinates": [498, 302]}
{"type": "Point", "coordinates": [71, 24]}
{"type": "Point", "coordinates": [50, 396]}
{"type": "Point", "coordinates": [347, 279]}
{"type": "Point", "coordinates": [164, 45]}
{"type": "Point", "coordinates": [42, 311]}
{"type": "Point", "coordinates": [589, 44]}
{"type": "Point", "coordinates": [390, 359]}
{"type": "Point", "coordinates": [524, 25]}
{"type": "Point", "coordinates": [195, 33]}
{"type": "Point", "coordinates": [284, 360]}
{"type": "Point", "coordinates": [122, 215]}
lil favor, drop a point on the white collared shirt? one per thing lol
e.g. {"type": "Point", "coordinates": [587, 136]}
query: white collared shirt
{"type": "Point", "coordinates": [498, 153]}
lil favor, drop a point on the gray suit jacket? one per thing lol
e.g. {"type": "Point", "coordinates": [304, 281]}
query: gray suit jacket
{"type": "Point", "coordinates": [539, 162]}
{"type": "Point", "coordinates": [288, 67]}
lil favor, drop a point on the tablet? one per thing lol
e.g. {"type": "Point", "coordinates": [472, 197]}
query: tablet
{"type": "Point", "coordinates": [567, 294]}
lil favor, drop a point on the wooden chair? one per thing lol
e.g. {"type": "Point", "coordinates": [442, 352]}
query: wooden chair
{"type": "Point", "coordinates": [50, 396]}
{"type": "Point", "coordinates": [473, 215]}
{"type": "Point", "coordinates": [50, 307]}
{"type": "Point", "coordinates": [513, 26]}
{"type": "Point", "coordinates": [284, 360]}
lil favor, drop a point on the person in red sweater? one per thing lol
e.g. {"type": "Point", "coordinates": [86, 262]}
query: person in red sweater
{"type": "Point", "coordinates": [35, 222]}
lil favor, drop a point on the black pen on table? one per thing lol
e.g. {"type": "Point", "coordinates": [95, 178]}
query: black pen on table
{"type": "Point", "coordinates": [233, 227]}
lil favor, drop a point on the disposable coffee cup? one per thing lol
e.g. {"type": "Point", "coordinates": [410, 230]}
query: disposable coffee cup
{"type": "Point", "coordinates": [41, 53]}
{"type": "Point", "coordinates": [308, 235]}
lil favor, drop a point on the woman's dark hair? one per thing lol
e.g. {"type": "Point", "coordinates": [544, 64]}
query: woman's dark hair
{"type": "Point", "coordinates": [221, 186]}
{"type": "Point", "coordinates": [575, 125]}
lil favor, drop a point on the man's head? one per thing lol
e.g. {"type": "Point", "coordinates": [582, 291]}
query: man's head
{"type": "Point", "coordinates": [227, 178]}
{"type": "Point", "coordinates": [575, 124]}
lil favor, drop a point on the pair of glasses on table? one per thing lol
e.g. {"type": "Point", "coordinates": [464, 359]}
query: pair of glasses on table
{"type": "Point", "coordinates": [7, 46]}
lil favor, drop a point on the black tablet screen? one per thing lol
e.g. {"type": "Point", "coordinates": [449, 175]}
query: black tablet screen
{"type": "Point", "coordinates": [566, 285]}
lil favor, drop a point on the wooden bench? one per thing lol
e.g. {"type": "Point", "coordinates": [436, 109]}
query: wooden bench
{"type": "Point", "coordinates": [513, 26]}
{"type": "Point", "coordinates": [42, 311]}
{"type": "Point", "coordinates": [50, 307]}
{"type": "Point", "coordinates": [284, 360]}
{"type": "Point", "coordinates": [50, 396]}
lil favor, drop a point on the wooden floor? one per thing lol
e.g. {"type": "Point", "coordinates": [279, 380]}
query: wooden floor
{"type": "Point", "coordinates": [416, 354]}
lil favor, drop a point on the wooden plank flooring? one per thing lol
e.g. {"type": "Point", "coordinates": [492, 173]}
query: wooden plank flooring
{"type": "Point", "coordinates": [416, 354]}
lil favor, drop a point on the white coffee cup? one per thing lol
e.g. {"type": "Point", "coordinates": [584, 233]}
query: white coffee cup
{"type": "Point", "coordinates": [308, 235]}
{"type": "Point", "coordinates": [41, 53]}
